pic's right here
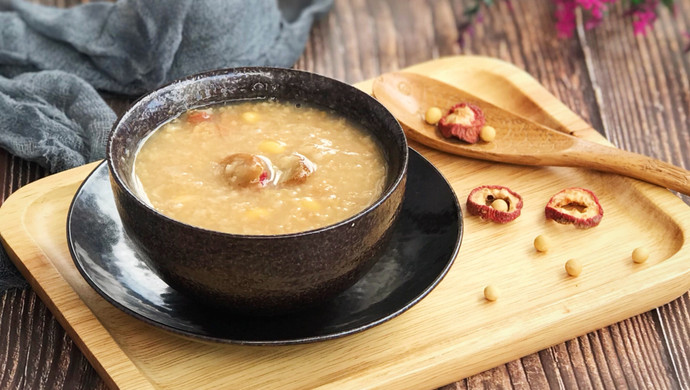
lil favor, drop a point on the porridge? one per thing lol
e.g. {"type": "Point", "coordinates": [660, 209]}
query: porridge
{"type": "Point", "coordinates": [260, 168]}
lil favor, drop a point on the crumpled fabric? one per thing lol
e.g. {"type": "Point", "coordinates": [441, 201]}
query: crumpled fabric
{"type": "Point", "coordinates": [53, 60]}
{"type": "Point", "coordinates": [133, 46]}
{"type": "Point", "coordinates": [53, 118]}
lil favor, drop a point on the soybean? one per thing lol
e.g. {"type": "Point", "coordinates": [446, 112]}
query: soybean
{"type": "Point", "coordinates": [640, 255]}
{"type": "Point", "coordinates": [487, 134]}
{"type": "Point", "coordinates": [542, 243]}
{"type": "Point", "coordinates": [491, 292]}
{"type": "Point", "coordinates": [573, 267]}
{"type": "Point", "coordinates": [433, 115]}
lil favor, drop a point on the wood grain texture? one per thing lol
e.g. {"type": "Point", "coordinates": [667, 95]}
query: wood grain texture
{"type": "Point", "coordinates": [644, 93]}
{"type": "Point", "coordinates": [450, 334]}
{"type": "Point", "coordinates": [36, 353]}
{"type": "Point", "coordinates": [633, 89]}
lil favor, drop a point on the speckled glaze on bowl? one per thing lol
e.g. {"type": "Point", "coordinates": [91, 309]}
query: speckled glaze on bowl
{"type": "Point", "coordinates": [257, 275]}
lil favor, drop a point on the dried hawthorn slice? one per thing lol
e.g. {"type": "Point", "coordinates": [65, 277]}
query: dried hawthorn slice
{"type": "Point", "coordinates": [295, 168]}
{"type": "Point", "coordinates": [578, 206]}
{"type": "Point", "coordinates": [244, 169]}
{"type": "Point", "coordinates": [464, 121]}
{"type": "Point", "coordinates": [496, 203]}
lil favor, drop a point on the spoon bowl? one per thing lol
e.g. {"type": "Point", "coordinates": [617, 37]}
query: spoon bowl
{"type": "Point", "coordinates": [518, 140]}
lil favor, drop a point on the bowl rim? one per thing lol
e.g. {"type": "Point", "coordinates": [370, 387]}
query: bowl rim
{"type": "Point", "coordinates": [397, 182]}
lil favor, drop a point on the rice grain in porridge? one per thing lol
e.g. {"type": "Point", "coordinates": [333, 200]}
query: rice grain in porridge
{"type": "Point", "coordinates": [260, 168]}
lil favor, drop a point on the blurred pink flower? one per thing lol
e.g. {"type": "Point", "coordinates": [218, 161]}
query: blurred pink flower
{"type": "Point", "coordinates": [565, 17]}
{"type": "Point", "coordinates": [644, 16]}
{"type": "Point", "coordinates": [642, 12]}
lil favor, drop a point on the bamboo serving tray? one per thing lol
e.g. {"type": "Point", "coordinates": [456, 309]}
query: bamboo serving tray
{"type": "Point", "coordinates": [450, 334]}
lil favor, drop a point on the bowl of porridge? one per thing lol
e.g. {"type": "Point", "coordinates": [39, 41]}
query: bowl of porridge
{"type": "Point", "coordinates": [258, 190]}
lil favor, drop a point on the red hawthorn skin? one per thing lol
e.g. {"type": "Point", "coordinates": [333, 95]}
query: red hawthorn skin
{"type": "Point", "coordinates": [490, 213]}
{"type": "Point", "coordinates": [263, 178]}
{"type": "Point", "coordinates": [552, 211]}
{"type": "Point", "coordinates": [195, 117]}
{"type": "Point", "coordinates": [469, 134]}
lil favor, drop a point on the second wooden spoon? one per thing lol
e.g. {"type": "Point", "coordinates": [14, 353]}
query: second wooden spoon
{"type": "Point", "coordinates": [518, 140]}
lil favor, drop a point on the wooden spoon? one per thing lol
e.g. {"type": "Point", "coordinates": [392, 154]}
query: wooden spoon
{"type": "Point", "coordinates": [518, 140]}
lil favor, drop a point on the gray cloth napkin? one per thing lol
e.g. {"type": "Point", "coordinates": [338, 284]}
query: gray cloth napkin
{"type": "Point", "coordinates": [52, 59]}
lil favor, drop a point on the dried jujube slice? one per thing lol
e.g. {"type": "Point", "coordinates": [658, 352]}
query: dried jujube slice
{"type": "Point", "coordinates": [578, 206]}
{"type": "Point", "coordinates": [464, 121]}
{"type": "Point", "coordinates": [496, 203]}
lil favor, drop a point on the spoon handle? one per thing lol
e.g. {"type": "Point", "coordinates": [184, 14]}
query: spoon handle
{"type": "Point", "coordinates": [610, 159]}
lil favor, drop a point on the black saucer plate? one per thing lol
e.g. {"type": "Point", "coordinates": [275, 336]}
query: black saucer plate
{"type": "Point", "coordinates": [425, 242]}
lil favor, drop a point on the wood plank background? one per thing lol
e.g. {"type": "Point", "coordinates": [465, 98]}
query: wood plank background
{"type": "Point", "coordinates": [634, 89]}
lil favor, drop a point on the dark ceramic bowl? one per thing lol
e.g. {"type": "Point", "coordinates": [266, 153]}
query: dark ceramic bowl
{"type": "Point", "coordinates": [257, 275]}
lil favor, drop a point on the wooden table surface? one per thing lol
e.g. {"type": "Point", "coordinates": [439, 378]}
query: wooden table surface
{"type": "Point", "coordinates": [634, 89]}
